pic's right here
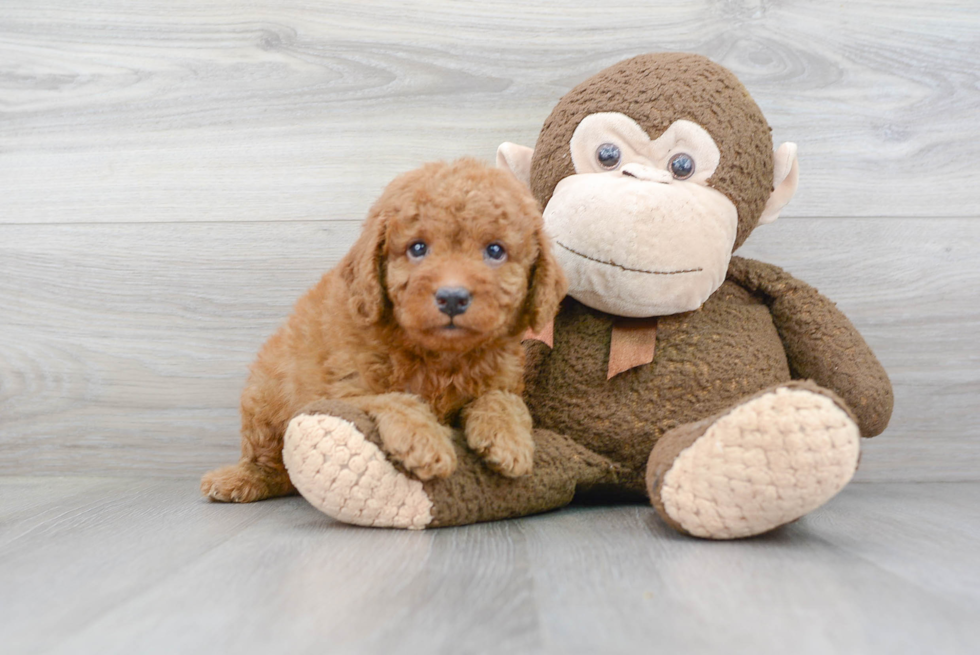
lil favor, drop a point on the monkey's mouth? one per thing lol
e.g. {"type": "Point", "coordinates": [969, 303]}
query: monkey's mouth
{"type": "Point", "coordinates": [626, 268]}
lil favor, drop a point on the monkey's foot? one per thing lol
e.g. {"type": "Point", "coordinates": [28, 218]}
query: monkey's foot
{"type": "Point", "coordinates": [349, 478]}
{"type": "Point", "coordinates": [334, 457]}
{"type": "Point", "coordinates": [763, 464]}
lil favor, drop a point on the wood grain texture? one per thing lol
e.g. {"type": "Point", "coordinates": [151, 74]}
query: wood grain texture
{"type": "Point", "coordinates": [146, 566]}
{"type": "Point", "coordinates": [124, 347]}
{"type": "Point", "coordinates": [267, 110]}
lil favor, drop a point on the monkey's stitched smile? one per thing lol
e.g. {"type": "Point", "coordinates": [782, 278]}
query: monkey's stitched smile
{"type": "Point", "coordinates": [626, 268]}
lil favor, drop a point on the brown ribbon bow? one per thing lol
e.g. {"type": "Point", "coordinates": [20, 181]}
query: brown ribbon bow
{"type": "Point", "coordinates": [634, 342]}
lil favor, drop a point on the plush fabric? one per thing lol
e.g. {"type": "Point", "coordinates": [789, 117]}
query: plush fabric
{"type": "Point", "coordinates": [768, 461]}
{"type": "Point", "coordinates": [333, 454]}
{"type": "Point", "coordinates": [633, 343]}
{"type": "Point", "coordinates": [732, 418]}
{"type": "Point", "coordinates": [617, 438]}
{"type": "Point", "coordinates": [820, 342]}
{"type": "Point", "coordinates": [652, 89]}
{"type": "Point", "coordinates": [704, 361]}
{"type": "Point", "coordinates": [323, 447]}
{"type": "Point", "coordinates": [681, 136]}
{"type": "Point", "coordinates": [595, 258]}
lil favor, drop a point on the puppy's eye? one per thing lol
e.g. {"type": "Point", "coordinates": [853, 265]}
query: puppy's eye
{"type": "Point", "coordinates": [681, 166]}
{"type": "Point", "coordinates": [417, 250]}
{"type": "Point", "coordinates": [495, 253]}
{"type": "Point", "coordinates": [608, 155]}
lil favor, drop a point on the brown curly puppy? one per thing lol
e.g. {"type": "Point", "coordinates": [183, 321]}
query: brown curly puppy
{"type": "Point", "coordinates": [419, 326]}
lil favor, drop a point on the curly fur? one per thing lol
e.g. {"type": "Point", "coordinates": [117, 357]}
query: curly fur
{"type": "Point", "coordinates": [370, 332]}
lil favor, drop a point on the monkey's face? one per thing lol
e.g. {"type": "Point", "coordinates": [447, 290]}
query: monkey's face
{"type": "Point", "coordinates": [637, 229]}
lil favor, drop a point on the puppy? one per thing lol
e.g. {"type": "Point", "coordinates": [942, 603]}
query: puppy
{"type": "Point", "coordinates": [419, 326]}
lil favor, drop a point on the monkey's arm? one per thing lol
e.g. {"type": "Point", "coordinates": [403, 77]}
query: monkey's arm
{"type": "Point", "coordinates": [821, 343]}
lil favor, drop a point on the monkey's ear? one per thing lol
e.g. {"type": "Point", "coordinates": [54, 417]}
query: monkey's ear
{"type": "Point", "coordinates": [363, 269]}
{"type": "Point", "coordinates": [785, 178]}
{"type": "Point", "coordinates": [516, 159]}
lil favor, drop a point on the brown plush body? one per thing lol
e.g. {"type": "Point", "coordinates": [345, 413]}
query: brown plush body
{"type": "Point", "coordinates": [375, 332]}
{"type": "Point", "coordinates": [738, 403]}
{"type": "Point", "coordinates": [706, 361]}
{"type": "Point", "coordinates": [596, 437]}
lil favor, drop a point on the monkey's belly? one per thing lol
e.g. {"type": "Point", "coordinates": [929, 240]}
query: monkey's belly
{"type": "Point", "coordinates": [705, 361]}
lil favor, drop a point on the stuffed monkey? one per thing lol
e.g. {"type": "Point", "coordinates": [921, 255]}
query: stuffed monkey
{"type": "Point", "coordinates": [725, 391]}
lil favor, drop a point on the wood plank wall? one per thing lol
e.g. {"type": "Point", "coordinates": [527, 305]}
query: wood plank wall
{"type": "Point", "coordinates": [173, 175]}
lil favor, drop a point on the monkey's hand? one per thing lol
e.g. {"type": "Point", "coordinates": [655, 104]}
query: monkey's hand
{"type": "Point", "coordinates": [821, 343]}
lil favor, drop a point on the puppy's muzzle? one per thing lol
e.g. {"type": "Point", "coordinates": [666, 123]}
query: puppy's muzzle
{"type": "Point", "coordinates": [453, 300]}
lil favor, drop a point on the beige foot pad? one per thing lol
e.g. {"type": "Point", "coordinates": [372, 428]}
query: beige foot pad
{"type": "Point", "coordinates": [768, 462]}
{"type": "Point", "coordinates": [349, 478]}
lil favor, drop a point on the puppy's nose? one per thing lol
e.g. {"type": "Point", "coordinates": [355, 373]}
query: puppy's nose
{"type": "Point", "coordinates": [453, 300]}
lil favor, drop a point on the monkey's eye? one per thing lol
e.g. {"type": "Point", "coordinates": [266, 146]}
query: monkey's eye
{"type": "Point", "coordinates": [495, 253]}
{"type": "Point", "coordinates": [681, 166]}
{"type": "Point", "coordinates": [417, 250]}
{"type": "Point", "coordinates": [608, 155]}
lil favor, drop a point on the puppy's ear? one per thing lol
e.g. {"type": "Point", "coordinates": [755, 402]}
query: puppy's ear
{"type": "Point", "coordinates": [363, 269]}
{"type": "Point", "coordinates": [546, 288]}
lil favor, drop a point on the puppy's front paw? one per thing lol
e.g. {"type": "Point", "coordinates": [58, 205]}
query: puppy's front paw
{"type": "Point", "coordinates": [424, 449]}
{"type": "Point", "coordinates": [508, 450]}
{"type": "Point", "coordinates": [498, 428]}
{"type": "Point", "coordinates": [510, 454]}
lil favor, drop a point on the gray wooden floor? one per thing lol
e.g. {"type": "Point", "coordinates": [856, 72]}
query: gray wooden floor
{"type": "Point", "coordinates": [96, 565]}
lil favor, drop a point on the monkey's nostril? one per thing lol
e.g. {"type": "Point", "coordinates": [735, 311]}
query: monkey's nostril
{"type": "Point", "coordinates": [453, 300]}
{"type": "Point", "coordinates": [646, 173]}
